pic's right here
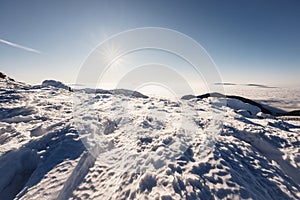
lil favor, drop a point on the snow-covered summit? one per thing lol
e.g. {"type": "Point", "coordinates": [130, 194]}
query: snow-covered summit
{"type": "Point", "coordinates": [56, 84]}
{"type": "Point", "coordinates": [150, 148]}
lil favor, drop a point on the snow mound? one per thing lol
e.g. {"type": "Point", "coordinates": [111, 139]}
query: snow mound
{"type": "Point", "coordinates": [128, 93]}
{"type": "Point", "coordinates": [56, 84]}
{"type": "Point", "coordinates": [243, 108]}
{"type": "Point", "coordinates": [123, 92]}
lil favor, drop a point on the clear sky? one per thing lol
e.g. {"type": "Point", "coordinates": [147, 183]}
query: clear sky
{"type": "Point", "coordinates": [250, 41]}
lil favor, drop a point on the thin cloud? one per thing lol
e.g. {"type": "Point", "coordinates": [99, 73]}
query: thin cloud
{"type": "Point", "coordinates": [19, 46]}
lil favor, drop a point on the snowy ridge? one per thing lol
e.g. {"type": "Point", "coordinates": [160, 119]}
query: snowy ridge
{"type": "Point", "coordinates": [43, 155]}
{"type": "Point", "coordinates": [53, 83]}
{"type": "Point", "coordinates": [263, 107]}
{"type": "Point", "coordinates": [8, 83]}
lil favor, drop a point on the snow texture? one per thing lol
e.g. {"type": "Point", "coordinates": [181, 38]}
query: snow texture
{"type": "Point", "coordinates": [44, 154]}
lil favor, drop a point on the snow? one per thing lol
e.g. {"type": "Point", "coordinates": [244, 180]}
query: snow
{"type": "Point", "coordinates": [241, 106]}
{"type": "Point", "coordinates": [53, 83]}
{"type": "Point", "coordinates": [97, 144]}
{"type": "Point", "coordinates": [18, 166]}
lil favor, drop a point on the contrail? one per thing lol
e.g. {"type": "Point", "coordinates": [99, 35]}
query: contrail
{"type": "Point", "coordinates": [19, 46]}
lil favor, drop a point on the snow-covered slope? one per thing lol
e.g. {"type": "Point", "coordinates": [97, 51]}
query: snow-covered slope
{"type": "Point", "coordinates": [117, 146]}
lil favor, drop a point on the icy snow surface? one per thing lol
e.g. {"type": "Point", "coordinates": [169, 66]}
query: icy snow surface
{"type": "Point", "coordinates": [118, 146]}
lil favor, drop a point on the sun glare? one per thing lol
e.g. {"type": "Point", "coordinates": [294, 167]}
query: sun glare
{"type": "Point", "coordinates": [112, 54]}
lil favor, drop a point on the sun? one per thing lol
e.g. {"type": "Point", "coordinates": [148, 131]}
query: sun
{"type": "Point", "coordinates": [114, 63]}
{"type": "Point", "coordinates": [112, 54]}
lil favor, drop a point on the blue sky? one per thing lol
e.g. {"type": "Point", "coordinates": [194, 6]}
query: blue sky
{"type": "Point", "coordinates": [250, 41]}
